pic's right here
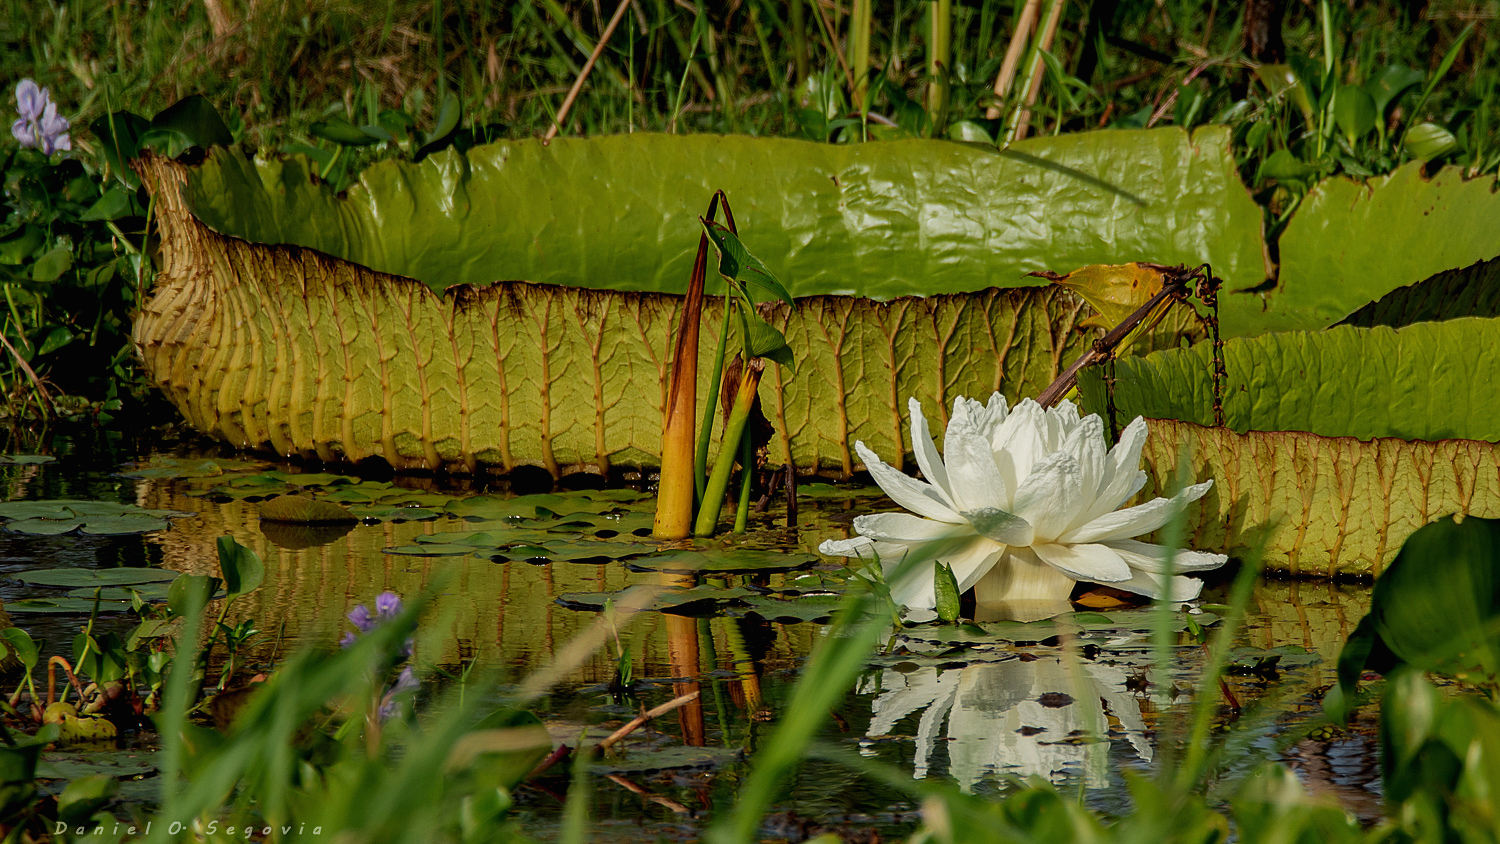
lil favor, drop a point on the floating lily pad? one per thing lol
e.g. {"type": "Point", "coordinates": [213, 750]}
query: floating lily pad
{"type": "Point", "coordinates": [303, 510]}
{"type": "Point", "coordinates": [188, 468]}
{"type": "Point", "coordinates": [563, 551]}
{"type": "Point", "coordinates": [431, 549]}
{"type": "Point", "coordinates": [24, 459]}
{"type": "Point", "coordinates": [839, 492]}
{"type": "Point", "coordinates": [494, 539]}
{"type": "Point", "coordinates": [699, 600]}
{"type": "Point", "coordinates": [51, 518]}
{"type": "Point", "coordinates": [724, 560]}
{"type": "Point", "coordinates": [64, 605]}
{"type": "Point", "coordinates": [70, 766]}
{"type": "Point", "coordinates": [147, 591]}
{"type": "Point", "coordinates": [602, 526]}
{"type": "Point", "coordinates": [387, 513]}
{"type": "Point", "coordinates": [122, 525]}
{"type": "Point", "coordinates": [792, 610]}
{"type": "Point", "coordinates": [89, 578]}
{"type": "Point", "coordinates": [295, 537]}
{"type": "Point", "coordinates": [1113, 629]}
{"type": "Point", "coordinates": [666, 758]}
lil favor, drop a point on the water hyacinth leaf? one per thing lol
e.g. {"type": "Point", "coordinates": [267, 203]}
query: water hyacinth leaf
{"type": "Point", "coordinates": [120, 135]}
{"type": "Point", "coordinates": [301, 509]}
{"type": "Point", "coordinates": [1427, 141]}
{"type": "Point", "coordinates": [1391, 83]}
{"type": "Point", "coordinates": [729, 560]}
{"type": "Point", "coordinates": [52, 265]}
{"type": "Point", "coordinates": [115, 204]}
{"type": "Point", "coordinates": [196, 119]}
{"type": "Point", "coordinates": [242, 569]}
{"type": "Point", "coordinates": [84, 796]}
{"type": "Point", "coordinates": [191, 590]}
{"type": "Point", "coordinates": [341, 131]}
{"type": "Point", "coordinates": [1354, 111]}
{"type": "Point", "coordinates": [22, 645]}
{"type": "Point", "coordinates": [90, 578]}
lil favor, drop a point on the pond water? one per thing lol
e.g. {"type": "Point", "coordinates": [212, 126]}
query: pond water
{"type": "Point", "coordinates": [1070, 700]}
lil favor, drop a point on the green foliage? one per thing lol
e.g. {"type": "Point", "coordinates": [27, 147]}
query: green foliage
{"type": "Point", "coordinates": [1447, 623]}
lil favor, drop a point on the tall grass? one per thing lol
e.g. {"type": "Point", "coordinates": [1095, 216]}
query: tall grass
{"type": "Point", "coordinates": [279, 66]}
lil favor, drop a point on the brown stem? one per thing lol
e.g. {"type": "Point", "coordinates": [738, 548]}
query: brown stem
{"type": "Point", "coordinates": [1172, 287]}
{"type": "Point", "coordinates": [645, 717]}
{"type": "Point", "coordinates": [1024, 25]}
{"type": "Point", "coordinates": [562, 113]}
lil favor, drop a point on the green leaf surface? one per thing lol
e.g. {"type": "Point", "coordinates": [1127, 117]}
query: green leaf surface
{"type": "Point", "coordinates": [1473, 291]}
{"type": "Point", "coordinates": [1352, 242]}
{"type": "Point", "coordinates": [1426, 381]}
{"type": "Point", "coordinates": [835, 217]}
{"type": "Point", "coordinates": [90, 578]}
{"type": "Point", "coordinates": [639, 761]}
{"type": "Point", "coordinates": [25, 459]}
{"type": "Point", "coordinates": [301, 509]}
{"type": "Point", "coordinates": [64, 605]}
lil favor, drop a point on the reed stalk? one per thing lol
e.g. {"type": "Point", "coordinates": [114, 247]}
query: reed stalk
{"type": "Point", "coordinates": [1021, 118]}
{"type": "Point", "coordinates": [1025, 24]}
{"type": "Point", "coordinates": [860, 21]}
{"type": "Point", "coordinates": [939, 62]}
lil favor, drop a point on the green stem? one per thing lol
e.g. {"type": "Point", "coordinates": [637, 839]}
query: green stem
{"type": "Point", "coordinates": [742, 513]}
{"type": "Point", "coordinates": [705, 431]}
{"type": "Point", "coordinates": [939, 62]}
{"type": "Point", "coordinates": [799, 39]}
{"type": "Point", "coordinates": [734, 429]}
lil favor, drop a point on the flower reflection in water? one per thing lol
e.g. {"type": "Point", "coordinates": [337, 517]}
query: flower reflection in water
{"type": "Point", "coordinates": [1042, 717]}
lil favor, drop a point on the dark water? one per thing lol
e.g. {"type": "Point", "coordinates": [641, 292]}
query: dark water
{"type": "Point", "coordinates": [1077, 709]}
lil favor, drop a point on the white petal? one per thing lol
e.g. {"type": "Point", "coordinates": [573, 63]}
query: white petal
{"type": "Point", "coordinates": [994, 414]}
{"type": "Point", "coordinates": [1021, 576]}
{"type": "Point", "coordinates": [1143, 556]}
{"type": "Point", "coordinates": [914, 495]}
{"type": "Point", "coordinates": [928, 459]}
{"type": "Point", "coordinates": [1017, 443]}
{"type": "Point", "coordinates": [1153, 586]}
{"type": "Point", "coordinates": [975, 479]}
{"type": "Point", "coordinates": [1000, 526]}
{"type": "Point", "coordinates": [1051, 495]}
{"type": "Point", "coordinates": [1134, 521]}
{"type": "Point", "coordinates": [1094, 563]}
{"type": "Point", "coordinates": [1086, 444]}
{"type": "Point", "coordinates": [909, 567]}
{"type": "Point", "coordinates": [1122, 476]}
{"type": "Point", "coordinates": [904, 527]}
{"type": "Point", "coordinates": [858, 546]}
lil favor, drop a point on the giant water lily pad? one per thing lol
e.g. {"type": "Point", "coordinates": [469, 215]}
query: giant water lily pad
{"type": "Point", "coordinates": [864, 223]}
{"type": "Point", "coordinates": [1340, 443]}
{"type": "Point", "coordinates": [792, 609]}
{"type": "Point", "coordinates": [64, 605]}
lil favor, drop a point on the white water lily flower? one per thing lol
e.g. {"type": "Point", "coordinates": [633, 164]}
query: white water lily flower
{"type": "Point", "coordinates": [1024, 504]}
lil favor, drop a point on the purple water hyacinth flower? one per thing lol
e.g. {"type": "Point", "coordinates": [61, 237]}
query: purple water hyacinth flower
{"type": "Point", "coordinates": [388, 604]}
{"type": "Point", "coordinates": [360, 617]}
{"type": "Point", "coordinates": [39, 126]}
{"type": "Point", "coordinates": [406, 681]}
